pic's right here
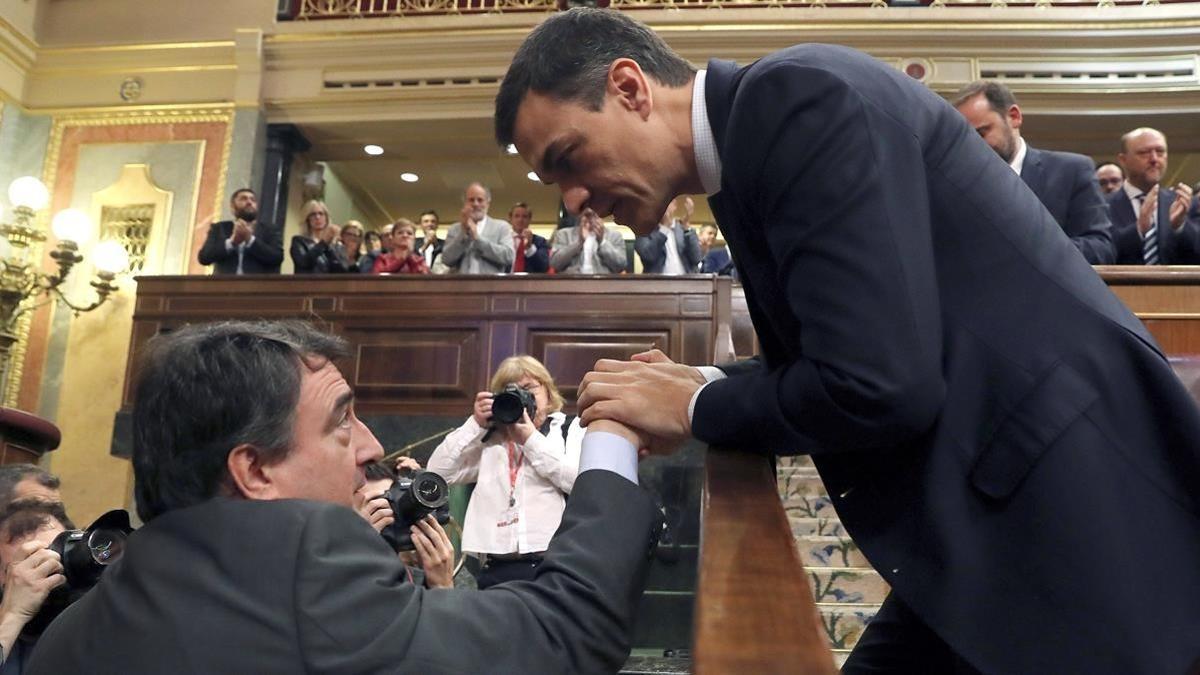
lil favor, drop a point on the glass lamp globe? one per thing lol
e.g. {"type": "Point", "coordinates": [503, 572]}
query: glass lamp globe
{"type": "Point", "coordinates": [29, 192]}
{"type": "Point", "coordinates": [71, 225]}
{"type": "Point", "coordinates": [110, 257]}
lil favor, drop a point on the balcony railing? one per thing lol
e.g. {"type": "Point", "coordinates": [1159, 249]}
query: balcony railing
{"type": "Point", "coordinates": [352, 9]}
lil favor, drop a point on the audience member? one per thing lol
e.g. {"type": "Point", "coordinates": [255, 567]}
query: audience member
{"type": "Point", "coordinates": [522, 472]}
{"type": "Point", "coordinates": [376, 244]}
{"type": "Point", "coordinates": [350, 244]}
{"type": "Point", "coordinates": [531, 252]}
{"type": "Point", "coordinates": [432, 564]}
{"type": "Point", "coordinates": [429, 245]}
{"type": "Point", "coordinates": [674, 248]}
{"type": "Point", "coordinates": [718, 261]}
{"type": "Point", "coordinates": [707, 235]}
{"type": "Point", "coordinates": [402, 258]}
{"type": "Point", "coordinates": [478, 243]}
{"type": "Point", "coordinates": [590, 247]}
{"type": "Point", "coordinates": [1111, 176]}
{"type": "Point", "coordinates": [30, 572]}
{"type": "Point", "coordinates": [242, 245]}
{"type": "Point", "coordinates": [1064, 182]}
{"type": "Point", "coordinates": [246, 455]}
{"type": "Point", "coordinates": [1150, 223]}
{"type": "Point", "coordinates": [313, 252]}
{"type": "Point", "coordinates": [24, 481]}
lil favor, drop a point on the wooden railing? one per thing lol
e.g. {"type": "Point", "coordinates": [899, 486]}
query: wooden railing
{"type": "Point", "coordinates": [358, 9]}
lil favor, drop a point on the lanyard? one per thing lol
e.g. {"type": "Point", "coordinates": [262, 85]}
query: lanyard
{"type": "Point", "coordinates": [514, 468]}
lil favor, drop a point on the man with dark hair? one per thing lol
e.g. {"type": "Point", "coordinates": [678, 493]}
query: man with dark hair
{"type": "Point", "coordinates": [1110, 176]}
{"type": "Point", "coordinates": [30, 571]}
{"type": "Point", "coordinates": [981, 408]}
{"type": "Point", "coordinates": [242, 245]}
{"type": "Point", "coordinates": [1150, 221]}
{"type": "Point", "coordinates": [21, 481]}
{"type": "Point", "coordinates": [429, 245]}
{"type": "Point", "coordinates": [1063, 181]}
{"type": "Point", "coordinates": [246, 455]}
{"type": "Point", "coordinates": [531, 252]}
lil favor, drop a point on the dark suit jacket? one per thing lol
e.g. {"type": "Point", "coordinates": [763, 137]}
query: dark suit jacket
{"type": "Point", "coordinates": [540, 260]}
{"type": "Point", "coordinates": [1066, 184]}
{"type": "Point", "coordinates": [1174, 247]}
{"type": "Point", "coordinates": [234, 586]}
{"type": "Point", "coordinates": [262, 257]}
{"type": "Point", "coordinates": [717, 262]}
{"type": "Point", "coordinates": [437, 249]}
{"type": "Point", "coordinates": [998, 433]}
{"type": "Point", "coordinates": [652, 249]}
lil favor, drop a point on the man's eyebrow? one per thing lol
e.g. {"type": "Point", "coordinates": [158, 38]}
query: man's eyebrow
{"type": "Point", "coordinates": [341, 404]}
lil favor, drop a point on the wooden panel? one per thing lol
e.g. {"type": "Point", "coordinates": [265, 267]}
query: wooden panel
{"type": "Point", "coordinates": [637, 305]}
{"type": "Point", "coordinates": [569, 355]}
{"type": "Point", "coordinates": [413, 365]}
{"type": "Point", "coordinates": [229, 306]}
{"type": "Point", "coordinates": [1176, 336]}
{"type": "Point", "coordinates": [754, 606]}
{"type": "Point", "coordinates": [745, 340]}
{"type": "Point", "coordinates": [407, 304]}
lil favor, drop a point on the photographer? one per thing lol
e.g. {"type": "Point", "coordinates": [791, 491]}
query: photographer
{"type": "Point", "coordinates": [433, 563]}
{"type": "Point", "coordinates": [30, 572]}
{"type": "Point", "coordinates": [521, 470]}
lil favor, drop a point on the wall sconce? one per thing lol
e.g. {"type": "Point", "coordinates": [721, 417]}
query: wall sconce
{"type": "Point", "coordinates": [23, 287]}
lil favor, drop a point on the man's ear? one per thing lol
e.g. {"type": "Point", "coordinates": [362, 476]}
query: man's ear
{"type": "Point", "coordinates": [628, 83]}
{"type": "Point", "coordinates": [249, 474]}
{"type": "Point", "coordinates": [1014, 117]}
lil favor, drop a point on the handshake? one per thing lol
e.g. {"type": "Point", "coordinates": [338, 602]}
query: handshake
{"type": "Point", "coordinates": [645, 400]}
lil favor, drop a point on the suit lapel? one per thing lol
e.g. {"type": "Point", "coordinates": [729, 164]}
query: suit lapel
{"type": "Point", "coordinates": [1031, 170]}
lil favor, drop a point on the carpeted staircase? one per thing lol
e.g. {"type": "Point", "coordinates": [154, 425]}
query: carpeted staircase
{"type": "Point", "coordinates": [847, 590]}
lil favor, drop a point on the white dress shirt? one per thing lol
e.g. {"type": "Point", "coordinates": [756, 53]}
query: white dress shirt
{"type": "Point", "coordinates": [673, 264]}
{"type": "Point", "coordinates": [1018, 159]}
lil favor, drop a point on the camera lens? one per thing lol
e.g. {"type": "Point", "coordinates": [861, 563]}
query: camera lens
{"type": "Point", "coordinates": [106, 546]}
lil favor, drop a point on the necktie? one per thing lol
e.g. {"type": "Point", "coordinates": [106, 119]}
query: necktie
{"type": "Point", "coordinates": [1150, 241]}
{"type": "Point", "coordinates": [519, 260]}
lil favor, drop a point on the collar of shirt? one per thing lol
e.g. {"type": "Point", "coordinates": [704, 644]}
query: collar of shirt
{"type": "Point", "coordinates": [1018, 159]}
{"type": "Point", "coordinates": [704, 144]}
{"type": "Point", "coordinates": [1133, 192]}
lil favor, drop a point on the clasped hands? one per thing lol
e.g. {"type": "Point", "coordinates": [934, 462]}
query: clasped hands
{"type": "Point", "coordinates": [644, 400]}
{"type": "Point", "coordinates": [1176, 213]}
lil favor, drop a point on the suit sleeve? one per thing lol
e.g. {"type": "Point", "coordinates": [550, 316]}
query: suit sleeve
{"type": "Point", "coordinates": [213, 250]}
{"type": "Point", "coordinates": [267, 247]}
{"type": "Point", "coordinates": [839, 188]}
{"type": "Point", "coordinates": [540, 260]}
{"type": "Point", "coordinates": [691, 253]}
{"type": "Point", "coordinates": [356, 614]}
{"type": "Point", "coordinates": [651, 249]}
{"type": "Point", "coordinates": [612, 251]}
{"type": "Point", "coordinates": [1185, 241]}
{"type": "Point", "coordinates": [562, 254]}
{"type": "Point", "coordinates": [499, 249]}
{"type": "Point", "coordinates": [1087, 223]}
{"type": "Point", "coordinates": [455, 246]}
{"type": "Point", "coordinates": [1126, 240]}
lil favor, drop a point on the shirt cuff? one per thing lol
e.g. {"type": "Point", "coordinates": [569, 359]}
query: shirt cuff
{"type": "Point", "coordinates": [608, 452]}
{"type": "Point", "coordinates": [229, 244]}
{"type": "Point", "coordinates": [250, 241]}
{"type": "Point", "coordinates": [711, 374]}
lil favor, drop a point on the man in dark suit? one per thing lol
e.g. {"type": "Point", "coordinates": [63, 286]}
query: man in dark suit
{"type": "Point", "coordinates": [531, 252]}
{"type": "Point", "coordinates": [1150, 222]}
{"type": "Point", "coordinates": [432, 253]}
{"type": "Point", "coordinates": [242, 245]}
{"type": "Point", "coordinates": [999, 435]}
{"type": "Point", "coordinates": [1063, 181]}
{"type": "Point", "coordinates": [246, 456]}
{"type": "Point", "coordinates": [673, 248]}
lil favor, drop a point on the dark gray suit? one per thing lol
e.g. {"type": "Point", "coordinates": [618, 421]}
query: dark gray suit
{"type": "Point", "coordinates": [652, 249]}
{"type": "Point", "coordinates": [234, 586]}
{"type": "Point", "coordinates": [1000, 436]}
{"type": "Point", "coordinates": [1066, 184]}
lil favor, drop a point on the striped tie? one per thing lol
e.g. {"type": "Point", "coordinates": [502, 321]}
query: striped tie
{"type": "Point", "coordinates": [1150, 240]}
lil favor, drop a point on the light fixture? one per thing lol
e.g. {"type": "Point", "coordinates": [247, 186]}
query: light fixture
{"type": "Point", "coordinates": [511, 149]}
{"type": "Point", "coordinates": [373, 150]}
{"type": "Point", "coordinates": [23, 287]}
{"type": "Point", "coordinates": [409, 177]}
{"type": "Point", "coordinates": [532, 175]}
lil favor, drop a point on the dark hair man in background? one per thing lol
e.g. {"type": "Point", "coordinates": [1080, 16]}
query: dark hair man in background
{"type": "Point", "coordinates": [247, 453]}
{"type": "Point", "coordinates": [429, 245]}
{"type": "Point", "coordinates": [1110, 176]}
{"type": "Point", "coordinates": [29, 570]}
{"type": "Point", "coordinates": [531, 251]}
{"type": "Point", "coordinates": [994, 427]}
{"type": "Point", "coordinates": [242, 245]}
{"type": "Point", "coordinates": [21, 481]}
{"type": "Point", "coordinates": [1063, 181]}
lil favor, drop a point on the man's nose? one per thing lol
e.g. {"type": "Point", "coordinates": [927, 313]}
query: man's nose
{"type": "Point", "coordinates": [575, 198]}
{"type": "Point", "coordinates": [368, 448]}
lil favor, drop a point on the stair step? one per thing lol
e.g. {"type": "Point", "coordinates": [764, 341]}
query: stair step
{"type": "Point", "coordinates": [799, 483]}
{"type": "Point", "coordinates": [844, 622]}
{"type": "Point", "coordinates": [826, 524]}
{"type": "Point", "coordinates": [830, 551]}
{"type": "Point", "coordinates": [794, 461]}
{"type": "Point", "coordinates": [854, 585]}
{"type": "Point", "coordinates": [809, 506]}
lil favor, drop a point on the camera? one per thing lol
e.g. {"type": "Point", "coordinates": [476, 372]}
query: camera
{"type": "Point", "coordinates": [511, 402]}
{"type": "Point", "coordinates": [412, 496]}
{"type": "Point", "coordinates": [85, 555]}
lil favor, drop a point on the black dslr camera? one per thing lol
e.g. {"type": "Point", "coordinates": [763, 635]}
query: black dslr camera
{"type": "Point", "coordinates": [510, 403]}
{"type": "Point", "coordinates": [412, 496]}
{"type": "Point", "coordinates": [85, 555]}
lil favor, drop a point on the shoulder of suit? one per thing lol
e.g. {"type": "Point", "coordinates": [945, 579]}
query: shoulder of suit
{"type": "Point", "coordinates": [1060, 157]}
